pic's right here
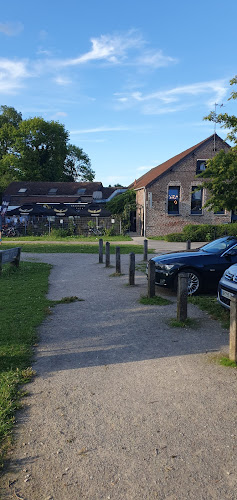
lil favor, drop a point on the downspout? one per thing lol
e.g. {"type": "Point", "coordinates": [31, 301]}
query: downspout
{"type": "Point", "coordinates": [144, 213]}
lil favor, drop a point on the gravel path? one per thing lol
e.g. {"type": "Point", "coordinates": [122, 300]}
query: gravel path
{"type": "Point", "coordinates": [123, 406]}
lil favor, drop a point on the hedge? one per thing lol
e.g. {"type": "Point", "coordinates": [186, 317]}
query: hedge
{"type": "Point", "coordinates": [203, 232]}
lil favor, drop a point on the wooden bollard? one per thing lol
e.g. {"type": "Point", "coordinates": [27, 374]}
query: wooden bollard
{"type": "Point", "coordinates": [131, 269]}
{"type": "Point", "coordinates": [182, 297]}
{"type": "Point", "coordinates": [188, 245]}
{"type": "Point", "coordinates": [107, 254]}
{"type": "Point", "coordinates": [233, 329]}
{"type": "Point", "coordinates": [145, 250]}
{"type": "Point", "coordinates": [100, 251]}
{"type": "Point", "coordinates": [151, 286]}
{"type": "Point", "coordinates": [118, 261]}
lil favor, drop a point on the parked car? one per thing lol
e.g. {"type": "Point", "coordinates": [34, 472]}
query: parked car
{"type": "Point", "coordinates": [227, 286]}
{"type": "Point", "coordinates": [204, 266]}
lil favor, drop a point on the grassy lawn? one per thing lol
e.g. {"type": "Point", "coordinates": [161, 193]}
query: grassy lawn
{"type": "Point", "coordinates": [209, 304]}
{"type": "Point", "coordinates": [23, 307]}
{"type": "Point", "coordinates": [72, 248]}
{"type": "Point", "coordinates": [71, 239]}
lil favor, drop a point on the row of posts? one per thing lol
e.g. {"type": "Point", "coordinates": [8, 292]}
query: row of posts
{"type": "Point", "coordinates": [182, 290]}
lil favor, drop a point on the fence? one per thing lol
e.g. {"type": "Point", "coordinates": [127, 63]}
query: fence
{"type": "Point", "coordinates": [65, 226]}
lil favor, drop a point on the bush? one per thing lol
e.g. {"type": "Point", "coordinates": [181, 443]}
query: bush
{"type": "Point", "coordinates": [203, 232]}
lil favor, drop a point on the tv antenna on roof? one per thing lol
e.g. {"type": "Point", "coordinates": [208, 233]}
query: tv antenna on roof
{"type": "Point", "coordinates": [214, 149]}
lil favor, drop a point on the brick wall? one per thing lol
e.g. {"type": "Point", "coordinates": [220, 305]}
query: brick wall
{"type": "Point", "coordinates": [158, 221]}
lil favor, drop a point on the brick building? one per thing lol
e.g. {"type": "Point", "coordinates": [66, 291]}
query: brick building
{"type": "Point", "coordinates": [168, 197]}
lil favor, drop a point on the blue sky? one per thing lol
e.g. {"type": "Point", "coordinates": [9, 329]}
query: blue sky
{"type": "Point", "coordinates": [130, 80]}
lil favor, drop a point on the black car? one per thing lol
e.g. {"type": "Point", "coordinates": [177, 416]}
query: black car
{"type": "Point", "coordinates": [205, 266]}
{"type": "Point", "coordinates": [227, 287]}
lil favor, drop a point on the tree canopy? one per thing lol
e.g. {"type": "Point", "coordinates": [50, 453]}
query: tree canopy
{"type": "Point", "coordinates": [122, 205]}
{"type": "Point", "coordinates": [38, 150]}
{"type": "Point", "coordinates": [221, 171]}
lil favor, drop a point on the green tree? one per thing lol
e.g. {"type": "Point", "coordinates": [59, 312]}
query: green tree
{"type": "Point", "coordinates": [221, 171]}
{"type": "Point", "coordinates": [77, 165]}
{"type": "Point", "coordinates": [42, 150]}
{"type": "Point", "coordinates": [122, 205]}
{"type": "Point", "coordinates": [38, 150]}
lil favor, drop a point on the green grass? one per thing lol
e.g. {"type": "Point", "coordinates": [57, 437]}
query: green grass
{"type": "Point", "coordinates": [23, 307]}
{"type": "Point", "coordinates": [188, 323]}
{"type": "Point", "coordinates": [72, 248]}
{"type": "Point", "coordinates": [159, 238]}
{"type": "Point", "coordinates": [154, 301]}
{"type": "Point", "coordinates": [141, 266]}
{"type": "Point", "coordinates": [209, 304]}
{"type": "Point", "coordinates": [227, 362]}
{"type": "Point", "coordinates": [47, 237]}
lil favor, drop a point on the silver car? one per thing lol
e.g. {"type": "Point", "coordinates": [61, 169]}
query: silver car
{"type": "Point", "coordinates": [227, 287]}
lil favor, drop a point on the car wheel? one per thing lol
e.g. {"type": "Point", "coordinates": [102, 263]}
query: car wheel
{"type": "Point", "coordinates": [194, 281]}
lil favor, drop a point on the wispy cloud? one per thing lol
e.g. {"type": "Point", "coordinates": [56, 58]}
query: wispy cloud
{"type": "Point", "coordinates": [124, 48]}
{"type": "Point", "coordinates": [12, 75]}
{"type": "Point", "coordinates": [63, 81]}
{"type": "Point", "coordinates": [111, 48]}
{"type": "Point", "coordinates": [128, 48]}
{"type": "Point", "coordinates": [11, 28]}
{"type": "Point", "coordinates": [155, 59]}
{"type": "Point", "coordinates": [121, 128]}
{"type": "Point", "coordinates": [176, 98]}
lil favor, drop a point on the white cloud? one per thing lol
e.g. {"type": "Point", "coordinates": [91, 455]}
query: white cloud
{"type": "Point", "coordinates": [12, 75]}
{"type": "Point", "coordinates": [100, 129]}
{"type": "Point", "coordinates": [111, 48]}
{"type": "Point", "coordinates": [180, 97]}
{"type": "Point", "coordinates": [155, 59]}
{"type": "Point", "coordinates": [124, 48]}
{"type": "Point", "coordinates": [11, 28]}
{"type": "Point", "coordinates": [44, 52]}
{"type": "Point", "coordinates": [63, 81]}
{"type": "Point", "coordinates": [60, 113]}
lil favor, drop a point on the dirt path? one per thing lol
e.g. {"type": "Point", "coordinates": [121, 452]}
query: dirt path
{"type": "Point", "coordinates": [123, 406]}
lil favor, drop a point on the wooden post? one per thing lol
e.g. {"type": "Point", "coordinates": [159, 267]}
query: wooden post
{"type": "Point", "coordinates": [233, 329]}
{"type": "Point", "coordinates": [107, 254]}
{"type": "Point", "coordinates": [131, 268]}
{"type": "Point", "coordinates": [145, 250]}
{"type": "Point", "coordinates": [16, 261]}
{"type": "Point", "coordinates": [151, 289]}
{"type": "Point", "coordinates": [100, 251]}
{"type": "Point", "coordinates": [188, 245]}
{"type": "Point", "coordinates": [182, 296]}
{"type": "Point", "coordinates": [118, 262]}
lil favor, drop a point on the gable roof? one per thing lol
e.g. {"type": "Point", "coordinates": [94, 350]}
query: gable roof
{"type": "Point", "coordinates": [57, 188]}
{"type": "Point", "coordinates": [153, 174]}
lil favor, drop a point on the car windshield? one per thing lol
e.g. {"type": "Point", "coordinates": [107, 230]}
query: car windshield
{"type": "Point", "coordinates": [219, 245]}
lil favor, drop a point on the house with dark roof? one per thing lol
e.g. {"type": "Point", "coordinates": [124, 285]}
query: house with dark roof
{"type": "Point", "coordinates": [170, 195]}
{"type": "Point", "coordinates": [77, 194]}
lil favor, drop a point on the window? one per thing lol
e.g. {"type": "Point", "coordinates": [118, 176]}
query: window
{"type": "Point", "coordinates": [201, 166]}
{"type": "Point", "coordinates": [81, 191]}
{"type": "Point", "coordinates": [150, 199]}
{"type": "Point", "coordinates": [52, 191]}
{"type": "Point", "coordinates": [173, 200]}
{"type": "Point", "coordinates": [22, 190]}
{"type": "Point", "coordinates": [196, 201]}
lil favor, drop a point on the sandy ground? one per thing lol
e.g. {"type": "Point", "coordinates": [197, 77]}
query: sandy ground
{"type": "Point", "coordinates": [123, 406]}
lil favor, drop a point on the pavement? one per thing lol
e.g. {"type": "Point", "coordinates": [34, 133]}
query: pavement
{"type": "Point", "coordinates": [162, 246]}
{"type": "Point", "coordinates": [123, 405]}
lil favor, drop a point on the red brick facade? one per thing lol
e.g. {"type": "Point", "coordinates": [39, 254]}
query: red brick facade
{"type": "Point", "coordinates": [155, 219]}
